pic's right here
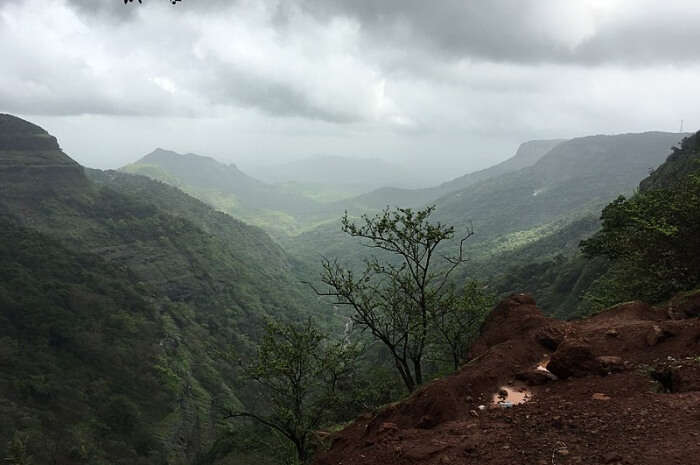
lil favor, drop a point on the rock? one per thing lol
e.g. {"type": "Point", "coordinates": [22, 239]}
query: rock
{"type": "Point", "coordinates": [550, 337]}
{"type": "Point", "coordinates": [610, 364]}
{"type": "Point", "coordinates": [600, 396]}
{"type": "Point", "coordinates": [572, 358]}
{"type": "Point", "coordinates": [536, 377]}
{"type": "Point", "coordinates": [612, 332]}
{"type": "Point", "coordinates": [656, 335]}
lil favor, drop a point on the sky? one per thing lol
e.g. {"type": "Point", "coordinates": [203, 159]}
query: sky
{"type": "Point", "coordinates": [444, 87]}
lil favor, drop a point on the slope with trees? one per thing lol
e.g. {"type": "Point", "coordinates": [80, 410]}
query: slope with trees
{"type": "Point", "coordinates": [207, 282]}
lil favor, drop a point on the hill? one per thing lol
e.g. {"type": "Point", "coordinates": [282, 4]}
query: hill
{"type": "Point", "coordinates": [227, 189]}
{"type": "Point", "coordinates": [581, 173]}
{"type": "Point", "coordinates": [575, 285]}
{"type": "Point", "coordinates": [523, 216]}
{"type": "Point", "coordinates": [146, 292]}
{"type": "Point", "coordinates": [527, 154]}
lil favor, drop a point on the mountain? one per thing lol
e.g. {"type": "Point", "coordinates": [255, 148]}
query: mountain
{"type": "Point", "coordinates": [527, 216]}
{"type": "Point", "coordinates": [359, 174]}
{"type": "Point", "coordinates": [309, 192]}
{"type": "Point", "coordinates": [126, 307]}
{"type": "Point", "coordinates": [569, 284]}
{"type": "Point", "coordinates": [585, 172]}
{"type": "Point", "coordinates": [527, 154]}
{"type": "Point", "coordinates": [226, 188]}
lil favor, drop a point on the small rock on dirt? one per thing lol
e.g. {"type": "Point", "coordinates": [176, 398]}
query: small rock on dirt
{"type": "Point", "coordinates": [610, 364]}
{"type": "Point", "coordinates": [536, 377]}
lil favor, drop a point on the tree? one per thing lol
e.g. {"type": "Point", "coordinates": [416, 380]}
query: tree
{"type": "Point", "coordinates": [395, 298]}
{"type": "Point", "coordinates": [458, 317]}
{"type": "Point", "coordinates": [17, 451]}
{"type": "Point", "coordinates": [299, 372]}
{"type": "Point", "coordinates": [653, 241]}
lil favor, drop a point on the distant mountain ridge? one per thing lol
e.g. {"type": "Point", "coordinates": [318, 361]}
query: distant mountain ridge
{"type": "Point", "coordinates": [288, 209]}
{"type": "Point", "coordinates": [527, 154]}
{"type": "Point", "coordinates": [225, 187]}
{"type": "Point", "coordinates": [583, 171]}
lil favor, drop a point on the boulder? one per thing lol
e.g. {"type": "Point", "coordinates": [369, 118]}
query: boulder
{"type": "Point", "coordinates": [550, 337]}
{"type": "Point", "coordinates": [572, 358]}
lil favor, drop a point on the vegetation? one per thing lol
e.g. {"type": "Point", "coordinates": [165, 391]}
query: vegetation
{"type": "Point", "coordinates": [299, 373]}
{"type": "Point", "coordinates": [122, 299]}
{"type": "Point", "coordinates": [83, 374]}
{"type": "Point", "coordinates": [457, 320]}
{"type": "Point", "coordinates": [130, 312]}
{"type": "Point", "coordinates": [653, 241]}
{"type": "Point", "coordinates": [398, 301]}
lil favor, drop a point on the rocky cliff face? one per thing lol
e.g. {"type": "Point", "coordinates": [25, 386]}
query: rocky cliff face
{"type": "Point", "coordinates": [622, 387]}
{"type": "Point", "coordinates": [32, 163]}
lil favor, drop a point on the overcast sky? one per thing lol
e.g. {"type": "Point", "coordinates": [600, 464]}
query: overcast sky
{"type": "Point", "coordinates": [447, 86]}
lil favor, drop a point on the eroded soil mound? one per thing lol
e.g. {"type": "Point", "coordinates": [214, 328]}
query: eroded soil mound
{"type": "Point", "coordinates": [622, 387]}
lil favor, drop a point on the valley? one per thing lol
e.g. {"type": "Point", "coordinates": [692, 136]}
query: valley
{"type": "Point", "coordinates": [136, 297]}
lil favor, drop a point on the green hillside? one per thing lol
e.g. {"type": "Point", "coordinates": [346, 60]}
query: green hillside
{"type": "Point", "coordinates": [228, 189]}
{"type": "Point", "coordinates": [583, 173]}
{"type": "Point", "coordinates": [177, 289]}
{"type": "Point", "coordinates": [527, 154]}
{"type": "Point", "coordinates": [535, 215]}
{"type": "Point", "coordinates": [574, 285]}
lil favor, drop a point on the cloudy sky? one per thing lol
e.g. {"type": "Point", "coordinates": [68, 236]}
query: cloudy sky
{"type": "Point", "coordinates": [447, 86]}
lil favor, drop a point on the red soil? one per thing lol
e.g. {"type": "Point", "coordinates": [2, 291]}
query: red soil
{"type": "Point", "coordinates": [629, 393]}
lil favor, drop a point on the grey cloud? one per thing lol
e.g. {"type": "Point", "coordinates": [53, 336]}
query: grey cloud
{"type": "Point", "coordinates": [505, 30]}
{"type": "Point", "coordinates": [228, 84]}
{"type": "Point", "coordinates": [106, 9]}
{"type": "Point", "coordinates": [497, 30]}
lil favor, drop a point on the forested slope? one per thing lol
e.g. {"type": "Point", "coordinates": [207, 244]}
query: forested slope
{"type": "Point", "coordinates": [192, 284]}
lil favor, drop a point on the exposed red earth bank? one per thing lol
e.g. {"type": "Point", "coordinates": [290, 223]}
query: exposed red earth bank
{"type": "Point", "coordinates": [621, 387]}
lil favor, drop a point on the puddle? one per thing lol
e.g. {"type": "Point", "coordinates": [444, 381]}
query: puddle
{"type": "Point", "coordinates": [518, 393]}
{"type": "Point", "coordinates": [507, 396]}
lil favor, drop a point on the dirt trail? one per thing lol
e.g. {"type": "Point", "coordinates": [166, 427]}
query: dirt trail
{"type": "Point", "coordinates": [624, 388]}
